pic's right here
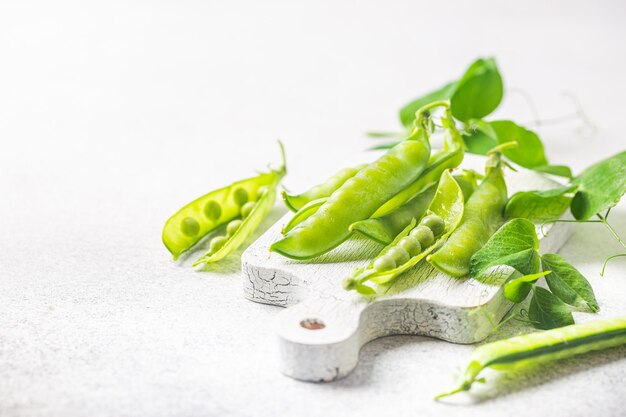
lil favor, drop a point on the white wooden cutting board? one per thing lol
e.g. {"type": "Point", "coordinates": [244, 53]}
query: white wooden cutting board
{"type": "Point", "coordinates": [324, 327]}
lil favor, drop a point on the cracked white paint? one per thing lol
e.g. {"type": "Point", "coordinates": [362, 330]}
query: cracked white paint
{"type": "Point", "coordinates": [423, 301]}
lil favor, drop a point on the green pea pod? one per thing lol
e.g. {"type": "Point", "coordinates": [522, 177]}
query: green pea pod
{"type": "Point", "coordinates": [483, 215]}
{"type": "Point", "coordinates": [543, 346]}
{"type": "Point", "coordinates": [260, 211]}
{"type": "Point", "coordinates": [448, 205]}
{"type": "Point", "coordinates": [304, 213]}
{"type": "Point", "coordinates": [325, 189]}
{"type": "Point", "coordinates": [450, 157]}
{"type": "Point", "coordinates": [207, 213]}
{"type": "Point", "coordinates": [385, 228]}
{"type": "Point", "coordinates": [360, 196]}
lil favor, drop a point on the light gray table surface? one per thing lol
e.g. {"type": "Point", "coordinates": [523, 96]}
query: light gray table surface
{"type": "Point", "coordinates": [114, 114]}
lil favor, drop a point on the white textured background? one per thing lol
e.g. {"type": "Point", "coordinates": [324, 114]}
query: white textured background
{"type": "Point", "coordinates": [114, 114]}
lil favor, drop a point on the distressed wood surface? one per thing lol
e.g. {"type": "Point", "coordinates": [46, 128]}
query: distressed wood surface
{"type": "Point", "coordinates": [324, 327]}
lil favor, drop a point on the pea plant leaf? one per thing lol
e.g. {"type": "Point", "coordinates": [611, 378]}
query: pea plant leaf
{"type": "Point", "coordinates": [547, 311]}
{"type": "Point", "coordinates": [529, 152]}
{"type": "Point", "coordinates": [600, 187]}
{"type": "Point", "coordinates": [517, 289]}
{"type": "Point", "coordinates": [567, 283]}
{"type": "Point", "coordinates": [515, 244]}
{"type": "Point", "coordinates": [558, 170]}
{"type": "Point", "coordinates": [478, 92]}
{"type": "Point", "coordinates": [407, 113]}
{"type": "Point", "coordinates": [480, 138]}
{"type": "Point", "coordinates": [540, 206]}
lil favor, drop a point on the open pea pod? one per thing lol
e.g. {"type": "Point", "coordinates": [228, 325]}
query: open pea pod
{"type": "Point", "coordinates": [304, 213]}
{"type": "Point", "coordinates": [295, 202]}
{"type": "Point", "coordinates": [228, 244]}
{"type": "Point", "coordinates": [450, 157]}
{"type": "Point", "coordinates": [207, 213]}
{"type": "Point", "coordinates": [414, 243]}
{"type": "Point", "coordinates": [540, 347]}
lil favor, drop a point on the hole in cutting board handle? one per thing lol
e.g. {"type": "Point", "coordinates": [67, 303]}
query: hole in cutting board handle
{"type": "Point", "coordinates": [312, 324]}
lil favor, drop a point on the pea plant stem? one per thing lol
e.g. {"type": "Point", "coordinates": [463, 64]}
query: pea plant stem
{"type": "Point", "coordinates": [604, 220]}
{"type": "Point", "coordinates": [613, 232]}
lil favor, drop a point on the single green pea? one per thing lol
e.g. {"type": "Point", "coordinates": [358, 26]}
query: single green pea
{"type": "Point", "coordinates": [424, 235]}
{"type": "Point", "coordinates": [411, 245]}
{"type": "Point", "coordinates": [212, 210]}
{"type": "Point", "coordinates": [232, 227]}
{"type": "Point", "coordinates": [384, 263]}
{"type": "Point", "coordinates": [190, 226]}
{"type": "Point", "coordinates": [399, 254]}
{"type": "Point", "coordinates": [434, 223]}
{"type": "Point", "coordinates": [217, 243]}
{"type": "Point", "coordinates": [247, 208]}
{"type": "Point", "coordinates": [241, 197]}
{"type": "Point", "coordinates": [261, 191]}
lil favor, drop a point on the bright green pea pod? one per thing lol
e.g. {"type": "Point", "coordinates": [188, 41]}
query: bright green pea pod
{"type": "Point", "coordinates": [260, 211]}
{"type": "Point", "coordinates": [325, 189]}
{"type": "Point", "coordinates": [203, 215]}
{"type": "Point", "coordinates": [483, 215]}
{"type": "Point", "coordinates": [304, 213]}
{"type": "Point", "coordinates": [384, 229]}
{"type": "Point", "coordinates": [358, 198]}
{"type": "Point", "coordinates": [542, 347]}
{"type": "Point", "coordinates": [448, 204]}
{"type": "Point", "coordinates": [450, 157]}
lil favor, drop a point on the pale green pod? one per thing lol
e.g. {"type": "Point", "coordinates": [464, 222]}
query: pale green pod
{"type": "Point", "coordinates": [543, 346]}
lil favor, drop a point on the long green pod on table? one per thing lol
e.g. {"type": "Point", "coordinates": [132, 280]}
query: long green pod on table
{"type": "Point", "coordinates": [450, 157]}
{"type": "Point", "coordinates": [360, 196]}
{"type": "Point", "coordinates": [225, 205]}
{"type": "Point", "coordinates": [384, 229]}
{"type": "Point", "coordinates": [542, 347]}
{"type": "Point", "coordinates": [414, 243]}
{"type": "Point", "coordinates": [295, 202]}
{"type": "Point", "coordinates": [304, 213]}
{"type": "Point", "coordinates": [483, 215]}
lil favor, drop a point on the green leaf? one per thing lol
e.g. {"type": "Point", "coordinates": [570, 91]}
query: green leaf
{"type": "Point", "coordinates": [481, 137]}
{"type": "Point", "coordinates": [515, 244]}
{"type": "Point", "coordinates": [365, 290]}
{"type": "Point", "coordinates": [479, 91]}
{"type": "Point", "coordinates": [558, 170]}
{"type": "Point", "coordinates": [529, 152]}
{"type": "Point", "coordinates": [517, 289]}
{"type": "Point", "coordinates": [600, 187]}
{"type": "Point", "coordinates": [546, 311]}
{"type": "Point", "coordinates": [407, 113]}
{"type": "Point", "coordinates": [540, 206]}
{"type": "Point", "coordinates": [567, 283]}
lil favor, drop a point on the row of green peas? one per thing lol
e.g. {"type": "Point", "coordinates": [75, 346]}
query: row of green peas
{"type": "Point", "coordinates": [245, 203]}
{"type": "Point", "coordinates": [421, 237]}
